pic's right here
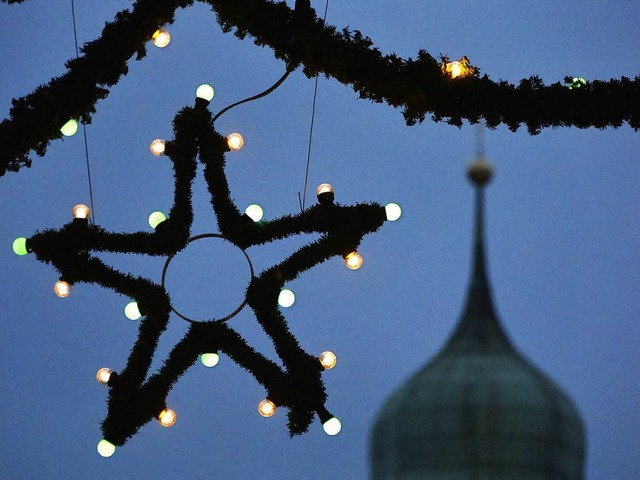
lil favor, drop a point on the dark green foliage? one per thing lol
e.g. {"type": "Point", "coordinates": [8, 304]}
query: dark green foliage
{"type": "Point", "coordinates": [298, 384]}
{"type": "Point", "coordinates": [415, 85]}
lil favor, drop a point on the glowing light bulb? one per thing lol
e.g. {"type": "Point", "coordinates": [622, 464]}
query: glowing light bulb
{"type": "Point", "coordinates": [20, 246]}
{"type": "Point", "coordinates": [286, 298]}
{"type": "Point", "coordinates": [205, 92]}
{"type": "Point", "coordinates": [106, 448]}
{"type": "Point", "coordinates": [131, 311]}
{"type": "Point", "coordinates": [157, 147]}
{"type": "Point", "coordinates": [459, 68]}
{"type": "Point", "coordinates": [62, 289]}
{"type": "Point", "coordinates": [161, 38]}
{"type": "Point", "coordinates": [156, 218]}
{"type": "Point", "coordinates": [254, 212]}
{"type": "Point", "coordinates": [353, 260]}
{"type": "Point", "coordinates": [266, 408]}
{"type": "Point", "coordinates": [328, 360]}
{"type": "Point", "coordinates": [324, 188]}
{"type": "Point", "coordinates": [70, 128]}
{"type": "Point", "coordinates": [235, 141]}
{"type": "Point", "coordinates": [167, 417]}
{"type": "Point", "coordinates": [393, 211]}
{"type": "Point", "coordinates": [81, 211]}
{"type": "Point", "coordinates": [455, 69]}
{"type": "Point", "coordinates": [103, 375]}
{"type": "Point", "coordinates": [209, 359]}
{"type": "Point", "coordinates": [332, 426]}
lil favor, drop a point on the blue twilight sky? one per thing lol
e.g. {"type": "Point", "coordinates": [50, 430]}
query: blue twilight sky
{"type": "Point", "coordinates": [562, 223]}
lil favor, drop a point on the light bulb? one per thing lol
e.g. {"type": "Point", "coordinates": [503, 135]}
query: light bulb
{"type": "Point", "coordinates": [81, 211]}
{"type": "Point", "coordinates": [286, 298]}
{"type": "Point", "coordinates": [131, 311]}
{"type": "Point", "coordinates": [167, 417]}
{"type": "Point", "coordinates": [332, 426]}
{"type": "Point", "coordinates": [454, 69]}
{"type": "Point", "coordinates": [70, 128]}
{"type": "Point", "coordinates": [393, 211]}
{"type": "Point", "coordinates": [209, 359]}
{"type": "Point", "coordinates": [157, 147]}
{"type": "Point", "coordinates": [205, 92]}
{"type": "Point", "coordinates": [103, 375]}
{"type": "Point", "coordinates": [324, 188]}
{"type": "Point", "coordinates": [266, 408]}
{"type": "Point", "coordinates": [156, 218]}
{"type": "Point", "coordinates": [328, 360]}
{"type": "Point", "coordinates": [62, 289]}
{"type": "Point", "coordinates": [20, 246]}
{"type": "Point", "coordinates": [161, 38]}
{"type": "Point", "coordinates": [254, 212]}
{"type": "Point", "coordinates": [235, 141]}
{"type": "Point", "coordinates": [353, 260]}
{"type": "Point", "coordinates": [106, 448]}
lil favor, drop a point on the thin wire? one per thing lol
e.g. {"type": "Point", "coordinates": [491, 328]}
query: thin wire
{"type": "Point", "coordinates": [313, 116]}
{"type": "Point", "coordinates": [92, 218]}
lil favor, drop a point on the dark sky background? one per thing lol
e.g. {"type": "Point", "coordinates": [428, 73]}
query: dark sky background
{"type": "Point", "coordinates": [562, 229]}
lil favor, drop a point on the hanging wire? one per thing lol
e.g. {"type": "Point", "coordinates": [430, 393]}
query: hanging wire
{"type": "Point", "coordinates": [92, 218]}
{"type": "Point", "coordinates": [313, 116]}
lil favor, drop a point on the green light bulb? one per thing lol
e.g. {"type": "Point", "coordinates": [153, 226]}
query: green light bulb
{"type": "Point", "coordinates": [70, 128]}
{"type": "Point", "coordinates": [20, 246]}
{"type": "Point", "coordinates": [156, 218]}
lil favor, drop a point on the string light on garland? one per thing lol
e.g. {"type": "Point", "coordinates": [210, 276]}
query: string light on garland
{"type": "Point", "coordinates": [267, 408]}
{"type": "Point", "coordinates": [353, 260]}
{"type": "Point", "coordinates": [325, 194]}
{"type": "Point", "coordinates": [205, 92]}
{"type": "Point", "coordinates": [393, 211]}
{"type": "Point", "coordinates": [20, 246]}
{"type": "Point", "coordinates": [156, 218]}
{"type": "Point", "coordinates": [458, 68]}
{"type": "Point", "coordinates": [332, 426]}
{"type": "Point", "coordinates": [210, 359]}
{"type": "Point", "coordinates": [62, 289]}
{"type": "Point", "coordinates": [254, 212]}
{"type": "Point", "coordinates": [103, 375]}
{"type": "Point", "coordinates": [575, 82]}
{"type": "Point", "coordinates": [106, 448]}
{"type": "Point", "coordinates": [161, 38]}
{"type": "Point", "coordinates": [235, 141]}
{"type": "Point", "coordinates": [131, 311]}
{"type": "Point", "coordinates": [70, 128]}
{"type": "Point", "coordinates": [81, 212]}
{"type": "Point", "coordinates": [328, 360]}
{"type": "Point", "coordinates": [167, 417]}
{"type": "Point", "coordinates": [286, 298]}
{"type": "Point", "coordinates": [157, 147]}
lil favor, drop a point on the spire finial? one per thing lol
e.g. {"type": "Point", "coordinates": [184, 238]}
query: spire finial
{"type": "Point", "coordinates": [480, 171]}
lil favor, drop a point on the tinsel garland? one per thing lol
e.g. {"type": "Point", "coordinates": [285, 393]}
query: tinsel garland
{"type": "Point", "coordinates": [297, 385]}
{"type": "Point", "coordinates": [415, 85]}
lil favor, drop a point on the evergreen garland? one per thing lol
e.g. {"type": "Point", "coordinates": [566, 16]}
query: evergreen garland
{"type": "Point", "coordinates": [297, 385]}
{"type": "Point", "coordinates": [299, 37]}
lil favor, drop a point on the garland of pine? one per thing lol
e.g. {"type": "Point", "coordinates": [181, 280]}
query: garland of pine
{"type": "Point", "coordinates": [297, 385]}
{"type": "Point", "coordinates": [417, 86]}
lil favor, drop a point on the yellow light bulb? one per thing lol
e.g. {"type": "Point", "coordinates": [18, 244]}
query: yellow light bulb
{"type": "Point", "coordinates": [324, 188]}
{"type": "Point", "coordinates": [157, 147]}
{"type": "Point", "coordinates": [266, 408]}
{"type": "Point", "coordinates": [328, 360]}
{"type": "Point", "coordinates": [62, 289]}
{"type": "Point", "coordinates": [235, 141]}
{"type": "Point", "coordinates": [156, 218]}
{"type": "Point", "coordinates": [106, 448]}
{"type": "Point", "coordinates": [81, 211]}
{"type": "Point", "coordinates": [103, 375]}
{"type": "Point", "coordinates": [161, 38]}
{"type": "Point", "coordinates": [353, 260]}
{"type": "Point", "coordinates": [167, 417]}
{"type": "Point", "coordinates": [70, 128]}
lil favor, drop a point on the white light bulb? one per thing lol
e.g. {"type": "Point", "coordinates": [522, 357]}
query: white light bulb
{"type": "Point", "coordinates": [103, 375]}
{"type": "Point", "coordinates": [235, 141]}
{"type": "Point", "coordinates": [156, 218]}
{"type": "Point", "coordinates": [106, 448]}
{"type": "Point", "coordinates": [161, 38]}
{"type": "Point", "coordinates": [286, 298]}
{"type": "Point", "coordinates": [205, 92]}
{"type": "Point", "coordinates": [157, 147]}
{"type": "Point", "coordinates": [393, 211]}
{"type": "Point", "coordinates": [209, 359]}
{"type": "Point", "coordinates": [62, 289]}
{"type": "Point", "coordinates": [70, 128]}
{"type": "Point", "coordinates": [266, 408]}
{"type": "Point", "coordinates": [254, 212]}
{"type": "Point", "coordinates": [332, 426]}
{"type": "Point", "coordinates": [328, 360]}
{"type": "Point", "coordinates": [131, 311]}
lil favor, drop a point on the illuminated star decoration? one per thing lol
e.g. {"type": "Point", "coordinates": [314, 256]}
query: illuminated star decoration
{"type": "Point", "coordinates": [297, 385]}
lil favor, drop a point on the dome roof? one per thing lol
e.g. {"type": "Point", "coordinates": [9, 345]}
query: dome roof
{"type": "Point", "coordinates": [479, 410]}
